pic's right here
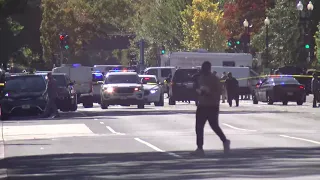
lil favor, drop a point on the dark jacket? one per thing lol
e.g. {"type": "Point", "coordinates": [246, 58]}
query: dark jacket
{"type": "Point", "coordinates": [211, 97]}
{"type": "Point", "coordinates": [232, 85]}
{"type": "Point", "coordinates": [52, 89]}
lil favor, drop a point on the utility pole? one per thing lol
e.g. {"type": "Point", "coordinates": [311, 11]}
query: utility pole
{"type": "Point", "coordinates": [141, 45]}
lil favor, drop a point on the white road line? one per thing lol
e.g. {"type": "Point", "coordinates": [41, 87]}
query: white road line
{"type": "Point", "coordinates": [95, 119]}
{"type": "Point", "coordinates": [41, 148]}
{"type": "Point", "coordinates": [101, 122]}
{"type": "Point", "coordinates": [156, 148]}
{"type": "Point", "coordinates": [301, 139]}
{"type": "Point", "coordinates": [238, 128]}
{"type": "Point", "coordinates": [113, 131]}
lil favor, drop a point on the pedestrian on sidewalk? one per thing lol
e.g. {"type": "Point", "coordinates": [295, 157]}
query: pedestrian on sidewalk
{"type": "Point", "coordinates": [209, 91]}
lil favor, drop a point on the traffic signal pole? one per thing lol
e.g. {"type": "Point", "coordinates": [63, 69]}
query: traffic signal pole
{"type": "Point", "coordinates": [141, 43]}
{"type": "Point", "coordinates": [61, 56]}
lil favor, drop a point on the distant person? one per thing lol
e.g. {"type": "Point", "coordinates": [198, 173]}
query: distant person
{"type": "Point", "coordinates": [315, 87]}
{"type": "Point", "coordinates": [52, 92]}
{"type": "Point", "coordinates": [209, 90]}
{"type": "Point", "coordinates": [232, 86]}
{"type": "Point", "coordinates": [224, 90]}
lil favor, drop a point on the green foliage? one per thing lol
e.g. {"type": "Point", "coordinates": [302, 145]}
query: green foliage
{"type": "Point", "coordinates": [317, 40]}
{"type": "Point", "coordinates": [25, 56]}
{"type": "Point", "coordinates": [84, 21]}
{"type": "Point", "coordinates": [200, 26]}
{"type": "Point", "coordinates": [283, 34]}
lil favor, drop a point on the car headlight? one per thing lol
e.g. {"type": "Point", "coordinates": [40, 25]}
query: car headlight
{"type": "Point", "coordinates": [153, 91]}
{"type": "Point", "coordinates": [109, 90]}
{"type": "Point", "coordinates": [137, 89]}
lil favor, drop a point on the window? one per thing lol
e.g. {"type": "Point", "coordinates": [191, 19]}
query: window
{"type": "Point", "coordinates": [229, 63]}
{"type": "Point", "coordinates": [148, 79]}
{"type": "Point", "coordinates": [152, 72]}
{"type": "Point", "coordinates": [25, 84]}
{"type": "Point", "coordinates": [118, 79]}
{"type": "Point", "coordinates": [184, 75]}
{"type": "Point", "coordinates": [97, 77]}
{"type": "Point", "coordinates": [165, 72]}
{"type": "Point", "coordinates": [285, 81]}
{"type": "Point", "coordinates": [61, 80]}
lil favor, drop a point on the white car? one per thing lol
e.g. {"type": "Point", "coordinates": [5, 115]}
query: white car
{"type": "Point", "coordinates": [153, 92]}
{"type": "Point", "coordinates": [122, 88]}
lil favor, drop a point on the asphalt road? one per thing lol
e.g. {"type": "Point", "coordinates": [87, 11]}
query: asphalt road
{"type": "Point", "coordinates": [267, 141]}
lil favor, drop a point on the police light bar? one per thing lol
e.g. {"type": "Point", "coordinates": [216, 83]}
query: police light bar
{"type": "Point", "coordinates": [125, 70]}
{"type": "Point", "coordinates": [275, 76]}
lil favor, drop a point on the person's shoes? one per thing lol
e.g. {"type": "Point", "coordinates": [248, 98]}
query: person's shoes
{"type": "Point", "coordinates": [226, 146]}
{"type": "Point", "coordinates": [198, 152]}
{"type": "Point", "coordinates": [56, 116]}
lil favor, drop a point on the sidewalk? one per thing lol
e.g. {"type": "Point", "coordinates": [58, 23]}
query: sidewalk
{"type": "Point", "coordinates": [3, 171]}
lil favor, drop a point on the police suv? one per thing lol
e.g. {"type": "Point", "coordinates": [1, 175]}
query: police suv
{"type": "Point", "coordinates": [122, 88]}
{"type": "Point", "coordinates": [153, 91]}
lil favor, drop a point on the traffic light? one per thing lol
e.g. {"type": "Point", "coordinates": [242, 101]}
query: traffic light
{"type": "Point", "coordinates": [238, 42]}
{"type": "Point", "coordinates": [307, 46]}
{"type": "Point", "coordinates": [64, 41]}
{"type": "Point", "coordinates": [162, 50]}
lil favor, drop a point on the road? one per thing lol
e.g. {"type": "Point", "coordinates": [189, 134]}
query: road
{"type": "Point", "coordinates": [267, 141]}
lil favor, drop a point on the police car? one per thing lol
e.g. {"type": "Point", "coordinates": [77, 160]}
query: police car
{"type": "Point", "coordinates": [97, 81]}
{"type": "Point", "coordinates": [122, 88]}
{"type": "Point", "coordinates": [153, 92]}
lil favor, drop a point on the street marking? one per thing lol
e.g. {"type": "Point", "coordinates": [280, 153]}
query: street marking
{"type": "Point", "coordinates": [95, 119]}
{"type": "Point", "coordinates": [41, 148]}
{"type": "Point", "coordinates": [101, 122]}
{"type": "Point", "coordinates": [232, 127]}
{"type": "Point", "coordinates": [301, 139]}
{"type": "Point", "coordinates": [156, 148]}
{"type": "Point", "coordinates": [113, 131]}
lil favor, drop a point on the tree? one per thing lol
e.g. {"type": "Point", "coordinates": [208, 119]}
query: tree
{"type": "Point", "coordinates": [317, 40]}
{"type": "Point", "coordinates": [200, 26]}
{"type": "Point", "coordinates": [85, 21]}
{"type": "Point", "coordinates": [235, 12]}
{"type": "Point", "coordinates": [284, 35]}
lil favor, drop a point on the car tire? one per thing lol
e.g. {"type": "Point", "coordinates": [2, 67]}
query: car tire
{"type": "Point", "coordinates": [284, 103]}
{"type": "Point", "coordinates": [299, 103]}
{"type": "Point", "coordinates": [74, 107]}
{"type": "Point", "coordinates": [171, 101]}
{"type": "Point", "coordinates": [141, 106]}
{"type": "Point", "coordinates": [160, 102]}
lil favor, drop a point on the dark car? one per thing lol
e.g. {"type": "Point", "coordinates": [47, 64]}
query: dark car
{"type": "Point", "coordinates": [23, 94]}
{"type": "Point", "coordinates": [182, 86]}
{"type": "Point", "coordinates": [279, 88]}
{"type": "Point", "coordinates": [67, 96]}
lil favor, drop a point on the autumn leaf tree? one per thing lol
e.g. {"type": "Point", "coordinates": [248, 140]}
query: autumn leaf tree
{"type": "Point", "coordinates": [235, 12]}
{"type": "Point", "coordinates": [200, 26]}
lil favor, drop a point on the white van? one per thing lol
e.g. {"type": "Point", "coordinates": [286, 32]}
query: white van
{"type": "Point", "coordinates": [82, 78]}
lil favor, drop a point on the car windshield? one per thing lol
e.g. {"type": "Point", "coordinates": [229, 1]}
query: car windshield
{"type": "Point", "coordinates": [25, 84]}
{"type": "Point", "coordinates": [97, 77]}
{"type": "Point", "coordinates": [61, 80]}
{"type": "Point", "coordinates": [148, 79]}
{"type": "Point", "coordinates": [184, 75]}
{"type": "Point", "coordinates": [285, 81]}
{"type": "Point", "coordinates": [116, 79]}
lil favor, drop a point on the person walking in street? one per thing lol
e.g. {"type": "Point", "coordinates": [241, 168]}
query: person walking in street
{"type": "Point", "coordinates": [232, 86]}
{"type": "Point", "coordinates": [224, 90]}
{"type": "Point", "coordinates": [52, 94]}
{"type": "Point", "coordinates": [209, 91]}
{"type": "Point", "coordinates": [315, 87]}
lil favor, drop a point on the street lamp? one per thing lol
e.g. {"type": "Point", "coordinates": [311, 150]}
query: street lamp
{"type": "Point", "coordinates": [305, 20]}
{"type": "Point", "coordinates": [247, 41]}
{"type": "Point", "coordinates": [267, 23]}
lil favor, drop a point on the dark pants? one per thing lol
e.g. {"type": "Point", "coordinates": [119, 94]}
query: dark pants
{"type": "Point", "coordinates": [212, 115]}
{"type": "Point", "coordinates": [315, 98]}
{"type": "Point", "coordinates": [51, 108]}
{"type": "Point", "coordinates": [233, 96]}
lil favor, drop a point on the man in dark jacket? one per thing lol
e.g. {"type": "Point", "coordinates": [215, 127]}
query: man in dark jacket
{"type": "Point", "coordinates": [315, 87]}
{"type": "Point", "coordinates": [209, 90]}
{"type": "Point", "coordinates": [52, 93]}
{"type": "Point", "coordinates": [232, 86]}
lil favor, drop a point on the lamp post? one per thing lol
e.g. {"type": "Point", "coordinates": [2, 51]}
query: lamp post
{"type": "Point", "coordinates": [247, 32]}
{"type": "Point", "coordinates": [267, 23]}
{"type": "Point", "coordinates": [305, 20]}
